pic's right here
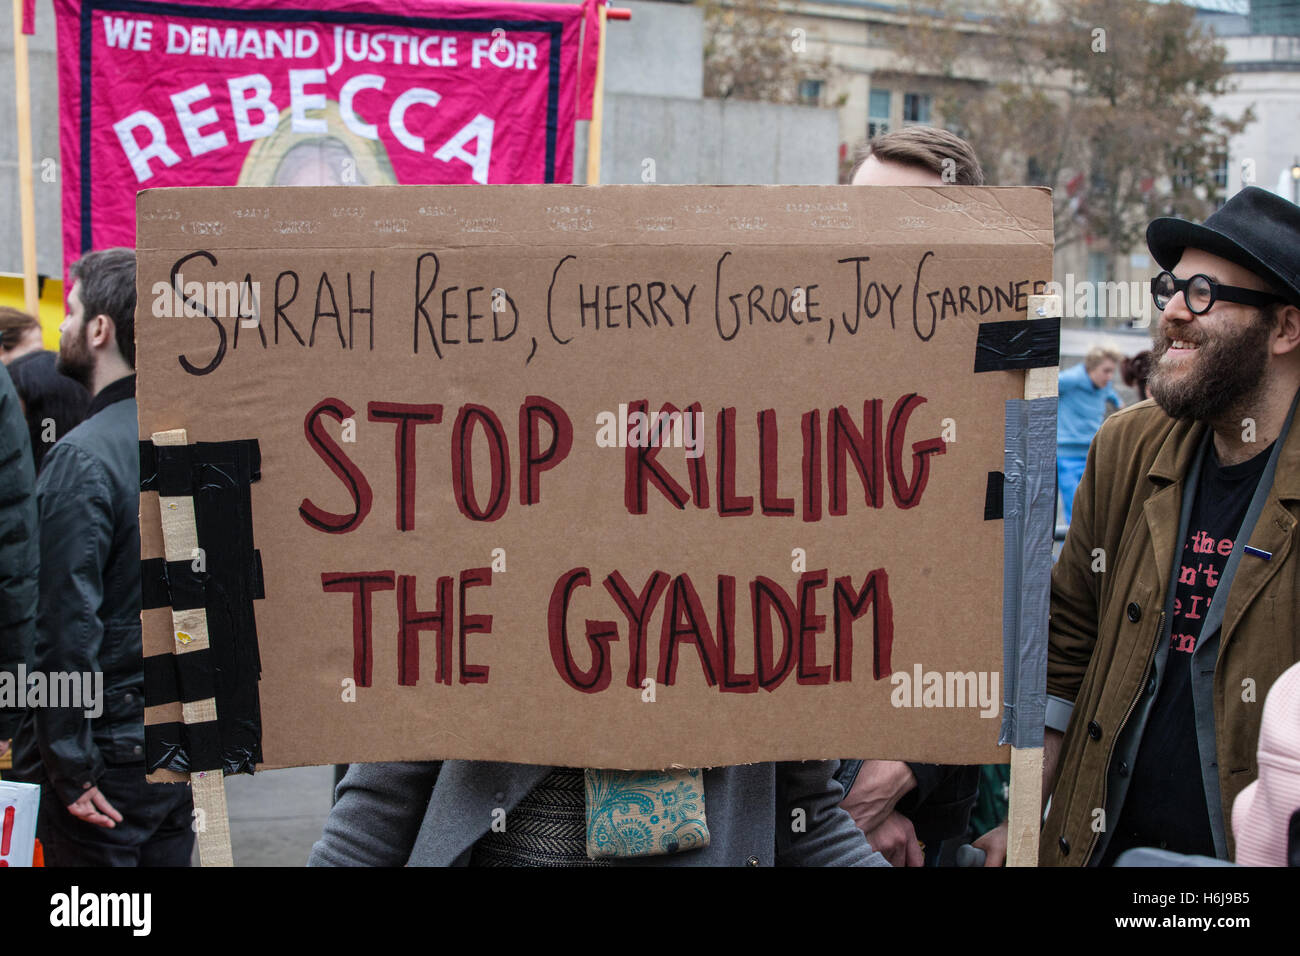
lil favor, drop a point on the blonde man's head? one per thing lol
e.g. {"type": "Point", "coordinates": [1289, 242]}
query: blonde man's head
{"type": "Point", "coordinates": [1100, 353]}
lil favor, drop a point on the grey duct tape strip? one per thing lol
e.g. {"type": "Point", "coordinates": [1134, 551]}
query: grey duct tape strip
{"type": "Point", "coordinates": [1029, 508]}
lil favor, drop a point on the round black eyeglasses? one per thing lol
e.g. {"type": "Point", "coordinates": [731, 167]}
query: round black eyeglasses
{"type": "Point", "coordinates": [1200, 292]}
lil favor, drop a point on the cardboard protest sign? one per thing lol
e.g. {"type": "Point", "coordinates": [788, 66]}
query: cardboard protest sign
{"type": "Point", "coordinates": [616, 476]}
{"type": "Point", "coordinates": [267, 92]}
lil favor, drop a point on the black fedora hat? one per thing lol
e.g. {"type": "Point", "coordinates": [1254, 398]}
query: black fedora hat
{"type": "Point", "coordinates": [1255, 229]}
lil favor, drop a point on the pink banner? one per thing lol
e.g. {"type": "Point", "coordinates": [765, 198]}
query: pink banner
{"type": "Point", "coordinates": [285, 92]}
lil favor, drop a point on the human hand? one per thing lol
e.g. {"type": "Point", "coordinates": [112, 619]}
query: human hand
{"type": "Point", "coordinates": [93, 807]}
{"type": "Point", "coordinates": [895, 840]}
{"type": "Point", "coordinates": [880, 784]}
{"type": "Point", "coordinates": [994, 845]}
{"type": "Point", "coordinates": [4, 747]}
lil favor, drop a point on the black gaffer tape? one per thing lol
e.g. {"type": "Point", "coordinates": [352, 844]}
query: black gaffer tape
{"type": "Point", "coordinates": [184, 748]}
{"type": "Point", "coordinates": [1001, 346]}
{"type": "Point", "coordinates": [176, 584]}
{"type": "Point", "coordinates": [993, 497]}
{"type": "Point", "coordinates": [183, 677]}
{"type": "Point", "coordinates": [200, 452]}
{"type": "Point", "coordinates": [153, 584]}
{"type": "Point", "coordinates": [258, 584]}
{"type": "Point", "coordinates": [219, 478]}
{"type": "Point", "coordinates": [174, 465]}
{"type": "Point", "coordinates": [173, 584]}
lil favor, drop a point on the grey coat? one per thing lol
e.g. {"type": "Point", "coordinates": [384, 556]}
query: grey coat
{"type": "Point", "coordinates": [431, 814]}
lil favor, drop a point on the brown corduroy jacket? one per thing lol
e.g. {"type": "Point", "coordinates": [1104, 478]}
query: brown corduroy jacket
{"type": "Point", "coordinates": [1104, 625]}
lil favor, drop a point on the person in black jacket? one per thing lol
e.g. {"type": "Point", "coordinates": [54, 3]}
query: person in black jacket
{"type": "Point", "coordinates": [96, 807]}
{"type": "Point", "coordinates": [54, 404]}
{"type": "Point", "coordinates": [908, 810]}
{"type": "Point", "coordinates": [18, 556]}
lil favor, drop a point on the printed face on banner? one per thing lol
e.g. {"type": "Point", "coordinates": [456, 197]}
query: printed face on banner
{"type": "Point", "coordinates": [253, 94]}
{"type": "Point", "coordinates": [623, 477]}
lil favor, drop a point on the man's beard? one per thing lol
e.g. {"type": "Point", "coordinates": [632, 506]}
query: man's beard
{"type": "Point", "coordinates": [75, 362]}
{"type": "Point", "coordinates": [1226, 369]}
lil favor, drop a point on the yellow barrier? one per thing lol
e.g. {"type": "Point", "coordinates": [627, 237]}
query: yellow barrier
{"type": "Point", "coordinates": [52, 306]}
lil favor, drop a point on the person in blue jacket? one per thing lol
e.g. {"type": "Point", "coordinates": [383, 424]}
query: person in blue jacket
{"type": "Point", "coordinates": [1084, 391]}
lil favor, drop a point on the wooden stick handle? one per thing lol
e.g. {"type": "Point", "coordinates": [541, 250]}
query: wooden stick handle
{"type": "Point", "coordinates": [26, 179]}
{"type": "Point", "coordinates": [597, 123]}
{"type": "Point", "coordinates": [180, 540]}
{"type": "Point", "coordinates": [1025, 810]}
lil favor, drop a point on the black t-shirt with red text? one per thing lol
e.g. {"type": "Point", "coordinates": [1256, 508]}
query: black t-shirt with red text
{"type": "Point", "coordinates": [1165, 805]}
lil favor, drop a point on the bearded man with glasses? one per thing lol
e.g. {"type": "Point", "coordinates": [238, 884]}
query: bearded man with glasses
{"type": "Point", "coordinates": [1176, 600]}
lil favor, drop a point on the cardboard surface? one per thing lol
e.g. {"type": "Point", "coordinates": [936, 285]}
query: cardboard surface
{"type": "Point", "coordinates": [672, 272]}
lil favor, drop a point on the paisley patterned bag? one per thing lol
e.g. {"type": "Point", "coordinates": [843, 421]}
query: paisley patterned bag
{"type": "Point", "coordinates": [644, 812]}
